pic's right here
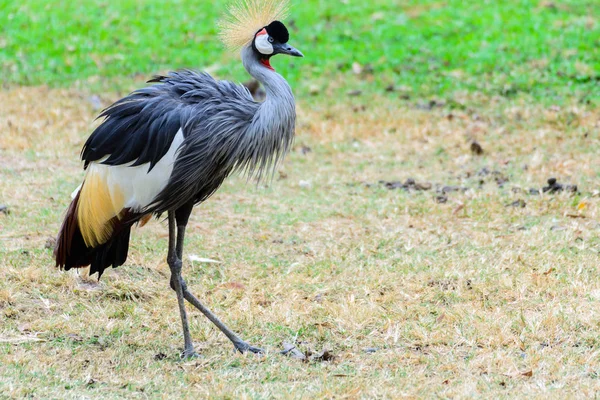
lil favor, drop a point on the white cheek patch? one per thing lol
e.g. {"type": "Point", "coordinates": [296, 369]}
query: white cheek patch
{"type": "Point", "coordinates": [262, 44]}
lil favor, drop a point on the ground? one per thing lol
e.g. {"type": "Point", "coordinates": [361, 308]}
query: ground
{"type": "Point", "coordinates": [406, 246]}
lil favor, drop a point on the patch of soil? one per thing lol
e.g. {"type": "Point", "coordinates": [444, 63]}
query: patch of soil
{"type": "Point", "coordinates": [475, 181]}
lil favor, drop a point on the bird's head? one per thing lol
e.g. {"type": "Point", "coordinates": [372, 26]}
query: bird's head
{"type": "Point", "coordinates": [271, 40]}
{"type": "Point", "coordinates": [256, 24]}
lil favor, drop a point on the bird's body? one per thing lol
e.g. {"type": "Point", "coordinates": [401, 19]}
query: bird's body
{"type": "Point", "coordinates": [163, 147]}
{"type": "Point", "coordinates": [169, 146]}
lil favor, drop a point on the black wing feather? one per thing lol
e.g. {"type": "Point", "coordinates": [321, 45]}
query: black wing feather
{"type": "Point", "coordinates": [138, 128]}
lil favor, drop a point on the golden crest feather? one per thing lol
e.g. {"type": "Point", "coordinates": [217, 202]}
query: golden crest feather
{"type": "Point", "coordinates": [246, 17]}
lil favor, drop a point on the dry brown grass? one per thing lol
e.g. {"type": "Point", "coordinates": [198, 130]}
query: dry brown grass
{"type": "Point", "coordinates": [468, 298]}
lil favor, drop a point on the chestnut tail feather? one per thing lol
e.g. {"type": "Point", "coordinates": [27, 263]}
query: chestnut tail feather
{"type": "Point", "coordinates": [72, 252]}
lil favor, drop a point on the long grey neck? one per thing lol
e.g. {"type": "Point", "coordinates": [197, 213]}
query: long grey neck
{"type": "Point", "coordinates": [275, 85]}
{"type": "Point", "coordinates": [274, 123]}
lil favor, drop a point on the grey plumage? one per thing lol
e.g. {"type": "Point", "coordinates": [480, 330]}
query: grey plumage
{"type": "Point", "coordinates": [226, 131]}
{"type": "Point", "coordinates": [169, 146]}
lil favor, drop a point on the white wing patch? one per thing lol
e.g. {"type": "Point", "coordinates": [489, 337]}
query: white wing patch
{"type": "Point", "coordinates": [140, 187]}
{"type": "Point", "coordinates": [74, 193]}
{"type": "Point", "coordinates": [108, 190]}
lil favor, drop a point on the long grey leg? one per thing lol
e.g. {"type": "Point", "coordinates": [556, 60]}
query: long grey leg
{"type": "Point", "coordinates": [182, 216]}
{"type": "Point", "coordinates": [239, 344]}
{"type": "Point", "coordinates": [175, 266]}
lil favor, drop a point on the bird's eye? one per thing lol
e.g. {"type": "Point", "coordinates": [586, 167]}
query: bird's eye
{"type": "Point", "coordinates": [271, 40]}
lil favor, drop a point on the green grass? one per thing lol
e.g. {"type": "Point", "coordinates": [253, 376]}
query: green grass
{"type": "Point", "coordinates": [549, 51]}
{"type": "Point", "coordinates": [468, 298]}
{"type": "Point", "coordinates": [465, 298]}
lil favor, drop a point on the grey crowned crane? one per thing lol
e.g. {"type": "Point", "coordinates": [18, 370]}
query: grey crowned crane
{"type": "Point", "coordinates": [169, 146]}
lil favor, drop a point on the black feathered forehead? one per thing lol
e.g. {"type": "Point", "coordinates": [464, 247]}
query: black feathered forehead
{"type": "Point", "coordinates": [278, 31]}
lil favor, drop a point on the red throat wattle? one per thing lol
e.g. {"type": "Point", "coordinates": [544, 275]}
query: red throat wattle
{"type": "Point", "coordinates": [266, 63]}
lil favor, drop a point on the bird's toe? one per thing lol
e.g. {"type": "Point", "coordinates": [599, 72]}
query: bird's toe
{"type": "Point", "coordinates": [244, 347]}
{"type": "Point", "coordinates": [189, 355]}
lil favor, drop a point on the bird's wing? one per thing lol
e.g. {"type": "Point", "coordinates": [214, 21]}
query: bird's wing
{"type": "Point", "coordinates": [131, 156]}
{"type": "Point", "coordinates": [137, 129]}
{"type": "Point", "coordinates": [214, 137]}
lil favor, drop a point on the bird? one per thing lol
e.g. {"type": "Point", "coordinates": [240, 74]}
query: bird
{"type": "Point", "coordinates": [169, 146]}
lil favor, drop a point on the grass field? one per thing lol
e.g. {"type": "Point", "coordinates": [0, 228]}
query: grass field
{"type": "Point", "coordinates": [546, 50]}
{"type": "Point", "coordinates": [470, 282]}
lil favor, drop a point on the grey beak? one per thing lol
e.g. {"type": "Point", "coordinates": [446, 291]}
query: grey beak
{"type": "Point", "coordinates": [294, 52]}
{"type": "Point", "coordinates": [291, 51]}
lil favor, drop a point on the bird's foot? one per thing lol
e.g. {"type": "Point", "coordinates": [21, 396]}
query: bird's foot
{"type": "Point", "coordinates": [244, 347]}
{"type": "Point", "coordinates": [189, 354]}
